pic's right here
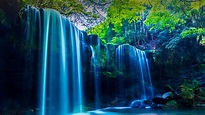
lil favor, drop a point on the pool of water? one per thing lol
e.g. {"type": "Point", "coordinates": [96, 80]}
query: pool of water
{"type": "Point", "coordinates": [130, 111]}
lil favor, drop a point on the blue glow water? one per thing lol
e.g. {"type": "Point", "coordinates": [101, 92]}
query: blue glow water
{"type": "Point", "coordinates": [135, 61]}
{"type": "Point", "coordinates": [130, 111]}
{"type": "Point", "coordinates": [95, 60]}
{"type": "Point", "coordinates": [60, 63]}
{"type": "Point", "coordinates": [60, 58]}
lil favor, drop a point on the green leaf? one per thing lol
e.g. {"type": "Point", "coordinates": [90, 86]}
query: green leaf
{"type": "Point", "coordinates": [117, 40]}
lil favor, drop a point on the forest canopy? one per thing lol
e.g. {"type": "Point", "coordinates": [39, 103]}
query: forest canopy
{"type": "Point", "coordinates": [149, 15]}
{"type": "Point", "coordinates": [129, 21]}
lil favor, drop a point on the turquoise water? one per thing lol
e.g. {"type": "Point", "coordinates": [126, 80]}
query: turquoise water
{"type": "Point", "coordinates": [138, 65]}
{"type": "Point", "coordinates": [130, 111]}
{"type": "Point", "coordinates": [95, 61]}
{"type": "Point", "coordinates": [60, 81]}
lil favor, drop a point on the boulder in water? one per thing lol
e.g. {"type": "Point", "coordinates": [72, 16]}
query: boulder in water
{"type": "Point", "coordinates": [159, 100]}
{"type": "Point", "coordinates": [140, 104]}
{"type": "Point", "coordinates": [163, 99]}
{"type": "Point", "coordinates": [168, 95]}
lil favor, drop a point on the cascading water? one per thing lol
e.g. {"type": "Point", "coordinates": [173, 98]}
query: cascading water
{"type": "Point", "coordinates": [135, 62]}
{"type": "Point", "coordinates": [95, 61]}
{"type": "Point", "coordinates": [60, 59]}
{"type": "Point", "coordinates": [58, 43]}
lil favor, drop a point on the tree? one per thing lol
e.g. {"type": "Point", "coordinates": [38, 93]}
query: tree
{"type": "Point", "coordinates": [119, 13]}
{"type": "Point", "coordinates": [169, 13]}
{"type": "Point", "coordinates": [126, 17]}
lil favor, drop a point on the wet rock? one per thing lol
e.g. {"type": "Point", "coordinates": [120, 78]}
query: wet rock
{"type": "Point", "coordinates": [112, 46]}
{"type": "Point", "coordinates": [140, 104]}
{"type": "Point", "coordinates": [136, 104]}
{"type": "Point", "coordinates": [94, 39]}
{"type": "Point", "coordinates": [168, 95]}
{"type": "Point", "coordinates": [159, 100]}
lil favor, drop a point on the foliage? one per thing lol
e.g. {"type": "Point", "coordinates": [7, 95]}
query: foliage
{"type": "Point", "coordinates": [197, 4]}
{"type": "Point", "coordinates": [101, 30]}
{"type": "Point", "coordinates": [199, 33]}
{"type": "Point", "coordinates": [188, 89]}
{"type": "Point", "coordinates": [162, 19]}
{"type": "Point", "coordinates": [171, 104]}
{"type": "Point", "coordinates": [123, 16]}
{"type": "Point", "coordinates": [120, 16]}
{"type": "Point", "coordinates": [201, 40]}
{"type": "Point", "coordinates": [193, 30]}
{"type": "Point", "coordinates": [186, 92]}
{"type": "Point", "coordinates": [117, 40]}
{"type": "Point", "coordinates": [172, 13]}
{"type": "Point", "coordinates": [173, 43]}
{"type": "Point", "coordinates": [122, 10]}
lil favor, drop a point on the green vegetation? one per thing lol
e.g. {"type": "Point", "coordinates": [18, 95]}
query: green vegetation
{"type": "Point", "coordinates": [188, 92]}
{"type": "Point", "coordinates": [171, 104]}
{"type": "Point", "coordinates": [174, 30]}
{"type": "Point", "coordinates": [193, 30]}
{"type": "Point", "coordinates": [124, 18]}
{"type": "Point", "coordinates": [199, 33]}
{"type": "Point", "coordinates": [162, 19]}
{"type": "Point", "coordinates": [188, 89]}
{"type": "Point", "coordinates": [131, 20]}
{"type": "Point", "coordinates": [116, 40]}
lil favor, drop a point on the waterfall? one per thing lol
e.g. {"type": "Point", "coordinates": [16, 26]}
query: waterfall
{"type": "Point", "coordinates": [95, 60]}
{"type": "Point", "coordinates": [59, 61]}
{"type": "Point", "coordinates": [134, 61]}
{"type": "Point", "coordinates": [59, 43]}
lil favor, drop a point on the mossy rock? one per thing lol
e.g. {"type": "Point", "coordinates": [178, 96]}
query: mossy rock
{"type": "Point", "coordinates": [168, 95]}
